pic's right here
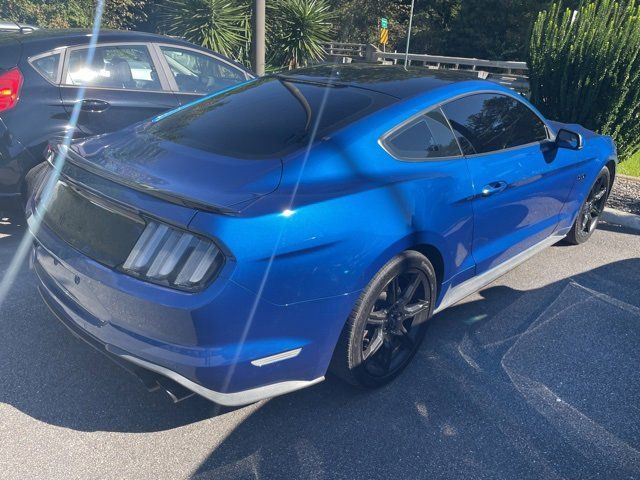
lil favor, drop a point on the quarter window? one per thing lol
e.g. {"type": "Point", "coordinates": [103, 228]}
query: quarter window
{"type": "Point", "coordinates": [198, 73]}
{"type": "Point", "coordinates": [490, 122]}
{"type": "Point", "coordinates": [116, 66]}
{"type": "Point", "coordinates": [48, 66]}
{"type": "Point", "coordinates": [428, 136]}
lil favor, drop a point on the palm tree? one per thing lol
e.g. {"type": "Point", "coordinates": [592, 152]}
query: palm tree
{"type": "Point", "coordinates": [298, 28]}
{"type": "Point", "coordinates": [220, 25]}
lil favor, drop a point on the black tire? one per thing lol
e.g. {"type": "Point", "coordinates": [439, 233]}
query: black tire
{"type": "Point", "coordinates": [589, 215]}
{"type": "Point", "coordinates": [379, 326]}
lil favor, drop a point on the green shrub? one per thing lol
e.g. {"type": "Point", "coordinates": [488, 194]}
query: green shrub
{"type": "Point", "coordinates": [585, 68]}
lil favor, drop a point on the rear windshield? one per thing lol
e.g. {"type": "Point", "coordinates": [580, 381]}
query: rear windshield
{"type": "Point", "coordinates": [268, 117]}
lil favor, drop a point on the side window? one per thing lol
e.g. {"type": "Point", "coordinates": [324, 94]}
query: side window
{"type": "Point", "coordinates": [528, 128]}
{"type": "Point", "coordinates": [198, 73]}
{"type": "Point", "coordinates": [428, 136]}
{"type": "Point", "coordinates": [48, 66]}
{"type": "Point", "coordinates": [490, 122]}
{"type": "Point", "coordinates": [114, 66]}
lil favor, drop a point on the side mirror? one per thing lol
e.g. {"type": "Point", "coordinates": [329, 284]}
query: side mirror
{"type": "Point", "coordinates": [568, 139]}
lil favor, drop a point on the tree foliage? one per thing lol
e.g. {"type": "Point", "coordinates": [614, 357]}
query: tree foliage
{"type": "Point", "coordinates": [298, 28]}
{"type": "Point", "coordinates": [496, 29]}
{"type": "Point", "coordinates": [585, 68]}
{"type": "Point", "coordinates": [358, 20]}
{"type": "Point", "coordinates": [220, 25]}
{"type": "Point", "coordinates": [73, 13]}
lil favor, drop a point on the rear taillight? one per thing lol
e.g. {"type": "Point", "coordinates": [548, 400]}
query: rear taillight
{"type": "Point", "coordinates": [172, 257]}
{"type": "Point", "coordinates": [10, 84]}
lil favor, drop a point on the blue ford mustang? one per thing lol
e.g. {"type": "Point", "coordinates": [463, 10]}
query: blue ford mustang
{"type": "Point", "coordinates": [245, 245]}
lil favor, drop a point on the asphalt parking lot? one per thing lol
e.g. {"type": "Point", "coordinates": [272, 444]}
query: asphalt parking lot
{"type": "Point", "coordinates": [537, 376]}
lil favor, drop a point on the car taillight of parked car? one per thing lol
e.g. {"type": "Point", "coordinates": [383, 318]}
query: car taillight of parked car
{"type": "Point", "coordinates": [10, 84]}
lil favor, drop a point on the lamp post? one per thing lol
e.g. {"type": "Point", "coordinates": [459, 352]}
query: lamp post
{"type": "Point", "coordinates": [258, 48]}
{"type": "Point", "coordinates": [406, 52]}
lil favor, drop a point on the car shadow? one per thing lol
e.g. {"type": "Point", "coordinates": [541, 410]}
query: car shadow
{"type": "Point", "coordinates": [474, 403]}
{"type": "Point", "coordinates": [612, 227]}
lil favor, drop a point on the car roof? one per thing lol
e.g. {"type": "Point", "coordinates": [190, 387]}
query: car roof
{"type": "Point", "coordinates": [44, 40]}
{"type": "Point", "coordinates": [392, 80]}
{"type": "Point", "coordinates": [75, 36]}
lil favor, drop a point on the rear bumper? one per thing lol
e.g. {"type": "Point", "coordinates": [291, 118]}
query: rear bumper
{"type": "Point", "coordinates": [163, 358]}
{"type": "Point", "coordinates": [133, 363]}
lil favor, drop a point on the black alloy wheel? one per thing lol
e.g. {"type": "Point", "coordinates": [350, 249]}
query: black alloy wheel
{"type": "Point", "coordinates": [389, 336]}
{"type": "Point", "coordinates": [388, 323]}
{"type": "Point", "coordinates": [591, 210]}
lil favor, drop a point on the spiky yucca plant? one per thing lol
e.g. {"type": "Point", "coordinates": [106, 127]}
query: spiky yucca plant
{"type": "Point", "coordinates": [585, 68]}
{"type": "Point", "coordinates": [220, 25]}
{"type": "Point", "coordinates": [297, 30]}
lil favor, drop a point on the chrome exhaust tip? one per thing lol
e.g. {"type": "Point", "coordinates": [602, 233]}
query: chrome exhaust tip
{"type": "Point", "coordinates": [176, 392]}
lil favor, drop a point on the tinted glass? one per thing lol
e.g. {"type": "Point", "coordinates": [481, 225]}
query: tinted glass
{"type": "Point", "coordinates": [48, 66]}
{"type": "Point", "coordinates": [489, 122]}
{"type": "Point", "coordinates": [427, 137]}
{"type": "Point", "coordinates": [528, 128]}
{"type": "Point", "coordinates": [119, 66]}
{"type": "Point", "coordinates": [267, 117]}
{"type": "Point", "coordinates": [198, 73]}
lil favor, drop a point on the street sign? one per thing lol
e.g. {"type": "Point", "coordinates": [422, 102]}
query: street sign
{"type": "Point", "coordinates": [384, 23]}
{"type": "Point", "coordinates": [384, 36]}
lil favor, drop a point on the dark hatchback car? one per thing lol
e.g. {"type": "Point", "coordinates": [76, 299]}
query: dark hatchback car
{"type": "Point", "coordinates": [133, 76]}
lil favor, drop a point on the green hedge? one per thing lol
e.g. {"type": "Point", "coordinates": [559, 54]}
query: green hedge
{"type": "Point", "coordinates": [585, 68]}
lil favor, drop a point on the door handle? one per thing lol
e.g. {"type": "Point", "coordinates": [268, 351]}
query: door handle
{"type": "Point", "coordinates": [92, 105]}
{"type": "Point", "coordinates": [493, 188]}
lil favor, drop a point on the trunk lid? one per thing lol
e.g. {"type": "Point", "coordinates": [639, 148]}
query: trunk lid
{"type": "Point", "coordinates": [179, 173]}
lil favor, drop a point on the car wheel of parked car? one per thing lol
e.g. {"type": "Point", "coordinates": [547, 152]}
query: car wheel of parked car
{"type": "Point", "coordinates": [388, 322]}
{"type": "Point", "coordinates": [589, 215]}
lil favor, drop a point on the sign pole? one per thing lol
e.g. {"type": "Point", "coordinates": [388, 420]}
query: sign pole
{"type": "Point", "coordinates": [406, 53]}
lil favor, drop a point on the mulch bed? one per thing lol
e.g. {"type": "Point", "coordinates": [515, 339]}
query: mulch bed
{"type": "Point", "coordinates": [625, 195]}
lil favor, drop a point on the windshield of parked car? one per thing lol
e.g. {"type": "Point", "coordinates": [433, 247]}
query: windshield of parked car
{"type": "Point", "coordinates": [266, 118]}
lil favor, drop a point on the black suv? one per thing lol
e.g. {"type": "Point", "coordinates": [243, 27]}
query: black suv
{"type": "Point", "coordinates": [133, 76]}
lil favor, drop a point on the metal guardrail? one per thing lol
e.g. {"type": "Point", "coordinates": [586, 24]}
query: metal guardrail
{"type": "Point", "coordinates": [345, 49]}
{"type": "Point", "coordinates": [508, 73]}
{"type": "Point", "coordinates": [512, 74]}
{"type": "Point", "coordinates": [455, 63]}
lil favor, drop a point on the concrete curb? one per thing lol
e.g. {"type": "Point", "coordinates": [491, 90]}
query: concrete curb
{"type": "Point", "coordinates": [618, 217]}
{"type": "Point", "coordinates": [628, 177]}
